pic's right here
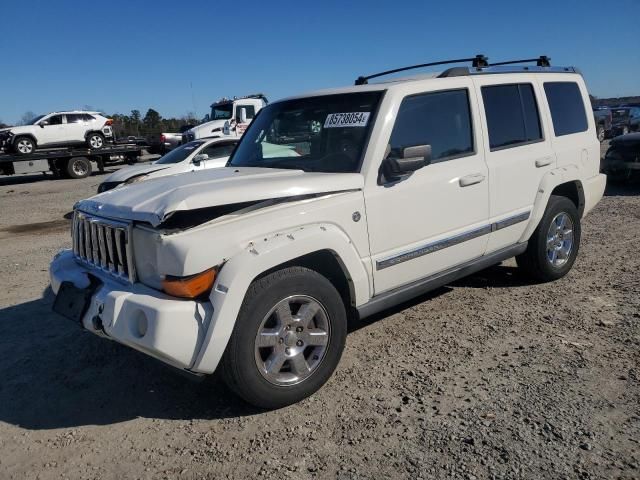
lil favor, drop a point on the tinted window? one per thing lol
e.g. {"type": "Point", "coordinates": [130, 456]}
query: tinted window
{"type": "Point", "coordinates": [54, 120]}
{"type": "Point", "coordinates": [567, 107]}
{"type": "Point", "coordinates": [218, 150]}
{"type": "Point", "coordinates": [250, 109]}
{"type": "Point", "coordinates": [439, 119]}
{"type": "Point", "coordinates": [512, 115]}
{"type": "Point", "coordinates": [75, 118]}
{"type": "Point", "coordinates": [87, 118]}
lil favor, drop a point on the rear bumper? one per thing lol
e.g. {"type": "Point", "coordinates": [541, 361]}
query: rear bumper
{"type": "Point", "coordinates": [140, 317]}
{"type": "Point", "coordinates": [593, 191]}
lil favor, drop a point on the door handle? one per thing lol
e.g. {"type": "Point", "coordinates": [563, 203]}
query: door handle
{"type": "Point", "coordinates": [543, 162]}
{"type": "Point", "coordinates": [471, 179]}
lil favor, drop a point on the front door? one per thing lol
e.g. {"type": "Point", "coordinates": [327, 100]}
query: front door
{"type": "Point", "coordinates": [435, 218]}
{"type": "Point", "coordinates": [53, 131]}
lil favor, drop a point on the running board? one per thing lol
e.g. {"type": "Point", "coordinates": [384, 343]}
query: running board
{"type": "Point", "coordinates": [407, 292]}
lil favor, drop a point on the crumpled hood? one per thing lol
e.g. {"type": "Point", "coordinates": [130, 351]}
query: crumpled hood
{"type": "Point", "coordinates": [156, 199]}
{"type": "Point", "coordinates": [126, 173]}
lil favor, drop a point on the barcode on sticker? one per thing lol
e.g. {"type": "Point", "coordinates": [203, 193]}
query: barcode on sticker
{"type": "Point", "coordinates": [350, 119]}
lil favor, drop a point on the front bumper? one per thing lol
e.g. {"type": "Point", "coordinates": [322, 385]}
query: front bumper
{"type": "Point", "coordinates": [135, 315]}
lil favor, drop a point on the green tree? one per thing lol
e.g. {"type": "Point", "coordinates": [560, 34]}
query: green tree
{"type": "Point", "coordinates": [151, 121]}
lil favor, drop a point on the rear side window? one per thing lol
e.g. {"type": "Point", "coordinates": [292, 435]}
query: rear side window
{"type": "Point", "coordinates": [512, 115]}
{"type": "Point", "coordinates": [74, 118]}
{"type": "Point", "coordinates": [219, 150]}
{"type": "Point", "coordinates": [87, 118]}
{"type": "Point", "coordinates": [439, 119]}
{"type": "Point", "coordinates": [567, 108]}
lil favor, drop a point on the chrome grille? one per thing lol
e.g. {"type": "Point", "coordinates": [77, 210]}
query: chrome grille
{"type": "Point", "coordinates": [103, 244]}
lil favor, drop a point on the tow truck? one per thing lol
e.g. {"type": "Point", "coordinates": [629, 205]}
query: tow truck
{"type": "Point", "coordinates": [68, 162]}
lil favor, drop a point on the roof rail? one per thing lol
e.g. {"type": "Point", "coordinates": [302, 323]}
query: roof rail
{"type": "Point", "coordinates": [477, 62]}
{"type": "Point", "coordinates": [541, 61]}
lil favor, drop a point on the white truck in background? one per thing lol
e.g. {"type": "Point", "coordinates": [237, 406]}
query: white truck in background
{"type": "Point", "coordinates": [228, 117]}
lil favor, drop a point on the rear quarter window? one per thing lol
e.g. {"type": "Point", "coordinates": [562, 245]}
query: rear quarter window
{"type": "Point", "coordinates": [567, 108]}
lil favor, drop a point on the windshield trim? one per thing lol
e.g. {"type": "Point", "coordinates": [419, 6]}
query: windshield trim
{"type": "Point", "coordinates": [365, 145]}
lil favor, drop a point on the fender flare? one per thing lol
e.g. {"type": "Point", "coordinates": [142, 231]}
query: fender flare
{"type": "Point", "coordinates": [30, 135]}
{"type": "Point", "coordinates": [549, 182]}
{"type": "Point", "coordinates": [86, 135]}
{"type": "Point", "coordinates": [259, 256]}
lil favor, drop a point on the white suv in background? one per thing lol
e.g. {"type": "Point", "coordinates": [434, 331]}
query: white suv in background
{"type": "Point", "coordinates": [59, 129]}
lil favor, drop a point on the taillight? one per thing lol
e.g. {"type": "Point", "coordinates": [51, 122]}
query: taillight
{"type": "Point", "coordinates": [162, 137]}
{"type": "Point", "coordinates": [108, 122]}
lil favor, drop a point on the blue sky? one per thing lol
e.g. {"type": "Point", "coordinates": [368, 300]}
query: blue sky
{"type": "Point", "coordinates": [118, 55]}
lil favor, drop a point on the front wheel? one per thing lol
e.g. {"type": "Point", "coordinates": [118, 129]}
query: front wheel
{"type": "Point", "coordinates": [287, 340]}
{"type": "Point", "coordinates": [95, 141]}
{"type": "Point", "coordinates": [553, 246]}
{"type": "Point", "coordinates": [24, 145]}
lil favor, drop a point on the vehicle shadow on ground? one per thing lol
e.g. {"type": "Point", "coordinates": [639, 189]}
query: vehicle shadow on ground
{"type": "Point", "coordinates": [630, 188]}
{"type": "Point", "coordinates": [55, 375]}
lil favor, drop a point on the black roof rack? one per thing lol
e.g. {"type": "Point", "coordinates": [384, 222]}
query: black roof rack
{"type": "Point", "coordinates": [541, 61]}
{"type": "Point", "coordinates": [477, 62]}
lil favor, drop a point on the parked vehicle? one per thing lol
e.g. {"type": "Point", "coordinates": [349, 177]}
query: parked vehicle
{"type": "Point", "coordinates": [190, 157]}
{"type": "Point", "coordinates": [229, 117]}
{"type": "Point", "coordinates": [165, 142]}
{"type": "Point", "coordinates": [603, 120]}
{"type": "Point", "coordinates": [625, 120]}
{"type": "Point", "coordinates": [336, 204]}
{"type": "Point", "coordinates": [622, 160]}
{"type": "Point", "coordinates": [58, 129]}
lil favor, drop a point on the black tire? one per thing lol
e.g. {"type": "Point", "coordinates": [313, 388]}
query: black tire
{"type": "Point", "coordinates": [535, 261]}
{"type": "Point", "coordinates": [24, 145]}
{"type": "Point", "coordinates": [601, 133]}
{"type": "Point", "coordinates": [95, 141]}
{"type": "Point", "coordinates": [78, 167]}
{"type": "Point", "coordinates": [239, 365]}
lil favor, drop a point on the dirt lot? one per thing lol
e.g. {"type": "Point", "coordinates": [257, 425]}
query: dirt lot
{"type": "Point", "coordinates": [490, 377]}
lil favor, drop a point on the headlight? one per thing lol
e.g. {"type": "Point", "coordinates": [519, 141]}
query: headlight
{"type": "Point", "coordinates": [137, 179]}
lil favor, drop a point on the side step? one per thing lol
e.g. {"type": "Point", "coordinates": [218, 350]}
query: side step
{"type": "Point", "coordinates": [407, 292]}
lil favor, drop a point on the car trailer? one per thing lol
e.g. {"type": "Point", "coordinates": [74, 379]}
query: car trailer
{"type": "Point", "coordinates": [68, 162]}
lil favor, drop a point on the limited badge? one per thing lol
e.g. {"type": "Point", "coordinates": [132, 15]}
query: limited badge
{"type": "Point", "coordinates": [349, 119]}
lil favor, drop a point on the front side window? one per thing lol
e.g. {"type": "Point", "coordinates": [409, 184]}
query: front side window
{"type": "Point", "coordinates": [512, 115]}
{"type": "Point", "coordinates": [315, 134]}
{"type": "Point", "coordinates": [219, 150]}
{"type": "Point", "coordinates": [250, 109]}
{"type": "Point", "coordinates": [221, 111]}
{"type": "Point", "coordinates": [54, 120]}
{"type": "Point", "coordinates": [567, 108]}
{"type": "Point", "coordinates": [179, 154]}
{"type": "Point", "coordinates": [439, 119]}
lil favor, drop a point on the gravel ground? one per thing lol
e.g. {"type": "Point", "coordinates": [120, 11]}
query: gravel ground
{"type": "Point", "coordinates": [490, 377]}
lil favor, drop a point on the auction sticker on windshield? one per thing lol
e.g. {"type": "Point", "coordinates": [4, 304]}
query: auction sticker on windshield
{"type": "Point", "coordinates": [350, 119]}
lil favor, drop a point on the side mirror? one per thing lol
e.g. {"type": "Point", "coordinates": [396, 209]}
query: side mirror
{"type": "Point", "coordinates": [242, 116]}
{"type": "Point", "coordinates": [42, 124]}
{"type": "Point", "coordinates": [199, 158]}
{"type": "Point", "coordinates": [412, 158]}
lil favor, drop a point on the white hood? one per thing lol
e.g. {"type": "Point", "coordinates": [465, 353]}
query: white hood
{"type": "Point", "coordinates": [204, 130]}
{"type": "Point", "coordinates": [154, 200]}
{"type": "Point", "coordinates": [126, 173]}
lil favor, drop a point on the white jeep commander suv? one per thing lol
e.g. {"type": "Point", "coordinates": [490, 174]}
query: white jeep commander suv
{"type": "Point", "coordinates": [59, 129]}
{"type": "Point", "coordinates": [336, 204]}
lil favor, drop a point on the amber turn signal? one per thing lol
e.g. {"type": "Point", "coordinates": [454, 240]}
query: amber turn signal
{"type": "Point", "coordinates": [190, 287]}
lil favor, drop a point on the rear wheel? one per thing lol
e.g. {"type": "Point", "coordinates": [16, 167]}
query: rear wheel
{"type": "Point", "coordinates": [554, 245]}
{"type": "Point", "coordinates": [24, 145]}
{"type": "Point", "coordinates": [95, 141]}
{"type": "Point", "coordinates": [78, 167]}
{"type": "Point", "coordinates": [287, 340]}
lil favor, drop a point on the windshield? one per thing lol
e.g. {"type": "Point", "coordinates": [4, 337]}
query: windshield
{"type": "Point", "coordinates": [222, 111]}
{"type": "Point", "coordinates": [33, 122]}
{"type": "Point", "coordinates": [314, 134]}
{"type": "Point", "coordinates": [179, 154]}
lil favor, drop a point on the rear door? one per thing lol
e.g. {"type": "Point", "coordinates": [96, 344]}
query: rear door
{"type": "Point", "coordinates": [76, 126]}
{"type": "Point", "coordinates": [519, 152]}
